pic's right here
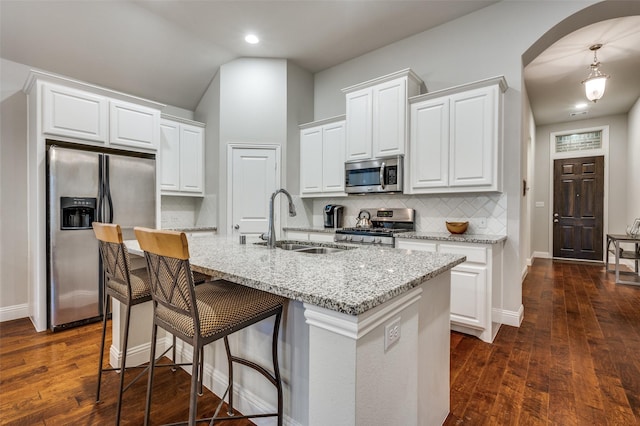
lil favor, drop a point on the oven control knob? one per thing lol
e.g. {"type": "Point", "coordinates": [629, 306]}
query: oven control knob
{"type": "Point", "coordinates": [347, 237]}
{"type": "Point", "coordinates": [377, 241]}
{"type": "Point", "coordinates": [339, 238]}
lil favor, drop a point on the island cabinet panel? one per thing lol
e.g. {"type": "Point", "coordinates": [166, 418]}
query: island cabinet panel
{"type": "Point", "coordinates": [322, 147]}
{"type": "Point", "coordinates": [181, 157]}
{"type": "Point", "coordinates": [476, 285]}
{"type": "Point", "coordinates": [133, 126]}
{"type": "Point", "coordinates": [455, 142]}
{"type": "Point", "coordinates": [321, 237]}
{"type": "Point", "coordinates": [377, 116]}
{"type": "Point", "coordinates": [74, 113]}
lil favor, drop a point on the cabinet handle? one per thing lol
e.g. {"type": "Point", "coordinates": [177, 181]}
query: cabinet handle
{"type": "Point", "coordinates": [555, 221]}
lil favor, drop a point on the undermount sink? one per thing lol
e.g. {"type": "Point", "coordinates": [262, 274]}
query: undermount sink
{"type": "Point", "coordinates": [320, 250]}
{"type": "Point", "coordinates": [300, 247]}
{"type": "Point", "coordinates": [293, 246]}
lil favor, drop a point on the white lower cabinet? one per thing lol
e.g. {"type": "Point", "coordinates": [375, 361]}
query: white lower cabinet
{"type": "Point", "coordinates": [476, 286]}
{"type": "Point", "coordinates": [181, 157]}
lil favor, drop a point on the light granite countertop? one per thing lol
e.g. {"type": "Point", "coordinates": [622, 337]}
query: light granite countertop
{"type": "Point", "coordinates": [350, 281]}
{"type": "Point", "coordinates": [195, 229]}
{"type": "Point", "coordinates": [460, 238]}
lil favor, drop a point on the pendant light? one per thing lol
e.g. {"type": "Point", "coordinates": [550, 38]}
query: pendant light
{"type": "Point", "coordinates": [594, 84]}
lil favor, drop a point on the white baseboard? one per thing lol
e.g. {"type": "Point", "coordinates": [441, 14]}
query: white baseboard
{"type": "Point", "coordinates": [138, 355]}
{"type": "Point", "coordinates": [9, 313]}
{"type": "Point", "coordinates": [541, 255]}
{"type": "Point", "coordinates": [512, 318]}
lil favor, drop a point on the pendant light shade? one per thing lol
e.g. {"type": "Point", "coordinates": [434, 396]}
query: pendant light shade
{"type": "Point", "coordinates": [595, 83]}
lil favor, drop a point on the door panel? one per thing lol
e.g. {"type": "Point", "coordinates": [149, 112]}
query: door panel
{"type": "Point", "coordinates": [253, 181]}
{"type": "Point", "coordinates": [578, 208]}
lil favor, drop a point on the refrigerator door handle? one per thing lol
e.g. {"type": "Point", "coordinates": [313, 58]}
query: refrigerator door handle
{"type": "Point", "coordinates": [100, 206]}
{"type": "Point", "coordinates": [107, 190]}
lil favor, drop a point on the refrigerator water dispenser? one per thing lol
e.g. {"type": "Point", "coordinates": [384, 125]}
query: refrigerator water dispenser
{"type": "Point", "coordinates": [77, 212]}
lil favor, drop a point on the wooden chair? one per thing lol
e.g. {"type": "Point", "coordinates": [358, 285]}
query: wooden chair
{"type": "Point", "coordinates": [203, 314]}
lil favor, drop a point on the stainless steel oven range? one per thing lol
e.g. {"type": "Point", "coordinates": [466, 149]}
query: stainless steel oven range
{"type": "Point", "coordinates": [384, 224]}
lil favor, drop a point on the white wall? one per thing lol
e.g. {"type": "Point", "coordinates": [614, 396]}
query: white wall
{"type": "Point", "coordinates": [633, 164]}
{"type": "Point", "coordinates": [13, 191]}
{"type": "Point", "coordinates": [483, 44]}
{"type": "Point", "coordinates": [617, 172]}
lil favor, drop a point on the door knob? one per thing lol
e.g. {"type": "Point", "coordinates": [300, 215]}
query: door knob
{"type": "Point", "coordinates": [236, 227]}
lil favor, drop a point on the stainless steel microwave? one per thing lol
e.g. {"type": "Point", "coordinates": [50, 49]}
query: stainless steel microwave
{"type": "Point", "coordinates": [373, 176]}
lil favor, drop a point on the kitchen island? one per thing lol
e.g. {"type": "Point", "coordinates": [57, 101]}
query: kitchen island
{"type": "Point", "coordinates": [365, 339]}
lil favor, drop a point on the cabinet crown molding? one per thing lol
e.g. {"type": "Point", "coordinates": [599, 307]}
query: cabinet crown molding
{"type": "Point", "coordinates": [322, 122]}
{"type": "Point", "coordinates": [182, 120]}
{"type": "Point", "coordinates": [407, 72]}
{"type": "Point", "coordinates": [499, 80]}
{"type": "Point", "coordinates": [37, 75]}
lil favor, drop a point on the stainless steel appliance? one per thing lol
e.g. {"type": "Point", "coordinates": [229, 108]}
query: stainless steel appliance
{"type": "Point", "coordinates": [374, 176]}
{"type": "Point", "coordinates": [385, 223]}
{"type": "Point", "coordinates": [333, 216]}
{"type": "Point", "coordinates": [83, 186]}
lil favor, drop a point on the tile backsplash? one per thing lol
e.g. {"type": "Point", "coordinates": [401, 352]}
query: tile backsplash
{"type": "Point", "coordinates": [486, 213]}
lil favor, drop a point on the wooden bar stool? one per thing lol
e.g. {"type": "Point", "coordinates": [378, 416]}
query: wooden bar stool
{"type": "Point", "coordinates": [203, 314]}
{"type": "Point", "coordinates": [129, 288]}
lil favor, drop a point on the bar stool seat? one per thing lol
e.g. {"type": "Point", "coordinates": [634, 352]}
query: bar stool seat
{"type": "Point", "coordinates": [203, 314]}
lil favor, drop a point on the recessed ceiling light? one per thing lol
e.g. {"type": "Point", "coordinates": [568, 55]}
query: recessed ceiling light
{"type": "Point", "coordinates": [252, 39]}
{"type": "Point", "coordinates": [581, 105]}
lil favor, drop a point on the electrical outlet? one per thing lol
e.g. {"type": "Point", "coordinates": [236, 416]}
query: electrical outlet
{"type": "Point", "coordinates": [482, 222]}
{"type": "Point", "coordinates": [391, 333]}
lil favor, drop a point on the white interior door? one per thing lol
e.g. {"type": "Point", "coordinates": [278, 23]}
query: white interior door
{"type": "Point", "coordinates": [253, 177]}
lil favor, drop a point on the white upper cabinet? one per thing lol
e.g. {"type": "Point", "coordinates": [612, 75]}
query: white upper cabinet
{"type": "Point", "coordinates": [455, 143]}
{"type": "Point", "coordinates": [322, 158]}
{"type": "Point", "coordinates": [377, 115]}
{"type": "Point", "coordinates": [74, 113]}
{"type": "Point", "coordinates": [93, 117]}
{"type": "Point", "coordinates": [181, 157]}
{"type": "Point", "coordinates": [132, 125]}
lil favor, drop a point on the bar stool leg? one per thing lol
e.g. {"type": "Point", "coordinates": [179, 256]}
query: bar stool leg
{"type": "Point", "coordinates": [123, 365]}
{"type": "Point", "coordinates": [105, 307]}
{"type": "Point", "coordinates": [152, 364]}
{"type": "Point", "coordinates": [230, 363]}
{"type": "Point", "coordinates": [193, 402]}
{"type": "Point", "coordinates": [276, 366]}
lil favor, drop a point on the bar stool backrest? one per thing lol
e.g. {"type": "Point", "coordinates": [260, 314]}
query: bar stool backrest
{"type": "Point", "coordinates": [115, 257]}
{"type": "Point", "coordinates": [172, 288]}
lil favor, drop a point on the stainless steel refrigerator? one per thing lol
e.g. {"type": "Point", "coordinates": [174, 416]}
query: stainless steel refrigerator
{"type": "Point", "coordinates": [85, 186]}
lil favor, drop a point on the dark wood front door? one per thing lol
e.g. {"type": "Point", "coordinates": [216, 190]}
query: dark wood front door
{"type": "Point", "coordinates": [578, 206]}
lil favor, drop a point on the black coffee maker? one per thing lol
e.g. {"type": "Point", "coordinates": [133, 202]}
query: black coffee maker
{"type": "Point", "coordinates": [333, 216]}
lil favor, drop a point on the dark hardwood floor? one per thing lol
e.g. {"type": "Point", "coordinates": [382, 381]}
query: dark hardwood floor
{"type": "Point", "coordinates": [574, 361]}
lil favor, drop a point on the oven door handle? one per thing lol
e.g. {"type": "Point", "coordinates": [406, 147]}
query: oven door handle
{"type": "Point", "coordinates": [382, 167]}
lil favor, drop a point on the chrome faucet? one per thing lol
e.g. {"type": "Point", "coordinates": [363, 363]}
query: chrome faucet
{"type": "Point", "coordinates": [270, 236]}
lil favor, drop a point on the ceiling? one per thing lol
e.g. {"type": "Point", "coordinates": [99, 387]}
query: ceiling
{"type": "Point", "coordinates": [553, 79]}
{"type": "Point", "coordinates": [168, 51]}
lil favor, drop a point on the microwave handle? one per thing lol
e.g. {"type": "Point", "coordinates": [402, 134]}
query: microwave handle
{"type": "Point", "coordinates": [382, 175]}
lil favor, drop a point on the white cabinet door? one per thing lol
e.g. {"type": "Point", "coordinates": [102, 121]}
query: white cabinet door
{"type": "Point", "coordinates": [191, 159]}
{"type": "Point", "coordinates": [181, 158]}
{"type": "Point", "coordinates": [311, 160]}
{"type": "Point", "coordinates": [429, 144]}
{"type": "Point", "coordinates": [469, 295]}
{"type": "Point", "coordinates": [169, 156]}
{"type": "Point", "coordinates": [74, 113]}
{"type": "Point", "coordinates": [323, 237]}
{"type": "Point", "coordinates": [133, 125]}
{"type": "Point", "coordinates": [389, 118]}
{"type": "Point", "coordinates": [333, 142]}
{"type": "Point", "coordinates": [359, 115]}
{"type": "Point", "coordinates": [473, 128]}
